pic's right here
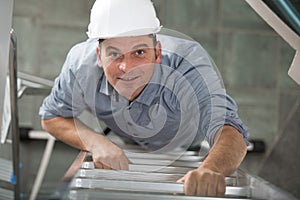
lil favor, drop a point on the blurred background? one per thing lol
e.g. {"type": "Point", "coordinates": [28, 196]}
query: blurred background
{"type": "Point", "coordinates": [252, 59]}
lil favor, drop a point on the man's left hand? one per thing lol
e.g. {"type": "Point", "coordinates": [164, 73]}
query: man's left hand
{"type": "Point", "coordinates": [203, 182]}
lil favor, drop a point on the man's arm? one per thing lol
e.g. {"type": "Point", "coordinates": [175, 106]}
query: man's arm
{"type": "Point", "coordinates": [73, 132]}
{"type": "Point", "coordinates": [224, 158]}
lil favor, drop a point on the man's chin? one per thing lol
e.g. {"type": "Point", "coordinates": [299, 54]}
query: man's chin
{"type": "Point", "coordinates": [130, 94]}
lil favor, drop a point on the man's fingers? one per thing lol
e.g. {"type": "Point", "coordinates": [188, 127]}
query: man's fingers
{"type": "Point", "coordinates": [203, 183]}
{"type": "Point", "coordinates": [98, 165]}
{"type": "Point", "coordinates": [211, 189]}
{"type": "Point", "coordinates": [124, 165]}
{"type": "Point", "coordinates": [221, 188]}
{"type": "Point", "coordinates": [121, 164]}
{"type": "Point", "coordinates": [107, 167]}
{"type": "Point", "coordinates": [190, 186]}
{"type": "Point", "coordinates": [117, 165]}
{"type": "Point", "coordinates": [181, 180]}
{"type": "Point", "coordinates": [201, 189]}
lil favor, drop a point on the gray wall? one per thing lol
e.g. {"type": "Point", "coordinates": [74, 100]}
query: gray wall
{"type": "Point", "coordinates": [251, 57]}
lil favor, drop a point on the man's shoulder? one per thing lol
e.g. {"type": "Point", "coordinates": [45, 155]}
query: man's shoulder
{"type": "Point", "coordinates": [183, 53]}
{"type": "Point", "coordinates": [83, 54]}
{"type": "Point", "coordinates": [173, 42]}
{"type": "Point", "coordinates": [82, 63]}
{"type": "Point", "coordinates": [85, 47]}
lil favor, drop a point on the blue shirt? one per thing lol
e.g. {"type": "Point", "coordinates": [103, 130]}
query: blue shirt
{"type": "Point", "coordinates": [183, 104]}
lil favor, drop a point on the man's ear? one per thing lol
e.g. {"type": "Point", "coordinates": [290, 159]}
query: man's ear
{"type": "Point", "coordinates": [158, 55]}
{"type": "Point", "coordinates": [99, 56]}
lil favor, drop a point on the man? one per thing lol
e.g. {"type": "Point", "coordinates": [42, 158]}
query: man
{"type": "Point", "coordinates": [159, 91]}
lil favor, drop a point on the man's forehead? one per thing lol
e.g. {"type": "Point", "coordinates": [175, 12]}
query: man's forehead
{"type": "Point", "coordinates": [128, 42]}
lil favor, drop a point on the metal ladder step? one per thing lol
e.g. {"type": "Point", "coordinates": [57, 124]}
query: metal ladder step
{"type": "Point", "coordinates": [136, 176]}
{"type": "Point", "coordinates": [140, 186]}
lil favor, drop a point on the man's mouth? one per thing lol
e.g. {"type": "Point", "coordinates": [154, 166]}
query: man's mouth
{"type": "Point", "coordinates": [128, 78]}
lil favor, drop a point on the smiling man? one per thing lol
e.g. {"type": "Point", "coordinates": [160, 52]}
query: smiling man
{"type": "Point", "coordinates": [159, 91]}
{"type": "Point", "coordinates": [128, 63]}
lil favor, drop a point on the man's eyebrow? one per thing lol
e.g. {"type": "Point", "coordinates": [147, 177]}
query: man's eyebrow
{"type": "Point", "coordinates": [111, 48]}
{"type": "Point", "coordinates": [139, 46]}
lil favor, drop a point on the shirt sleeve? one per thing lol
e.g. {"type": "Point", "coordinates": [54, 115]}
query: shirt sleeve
{"type": "Point", "coordinates": [213, 105]}
{"type": "Point", "coordinates": [218, 107]}
{"type": "Point", "coordinates": [66, 97]}
{"type": "Point", "coordinates": [224, 111]}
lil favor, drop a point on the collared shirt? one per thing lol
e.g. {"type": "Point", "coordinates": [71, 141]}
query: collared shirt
{"type": "Point", "coordinates": [183, 104]}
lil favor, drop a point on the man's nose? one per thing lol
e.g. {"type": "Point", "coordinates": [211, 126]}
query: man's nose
{"type": "Point", "coordinates": [126, 64]}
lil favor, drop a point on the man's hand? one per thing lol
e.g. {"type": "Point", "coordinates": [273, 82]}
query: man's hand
{"type": "Point", "coordinates": [107, 155]}
{"type": "Point", "coordinates": [223, 159]}
{"type": "Point", "coordinates": [204, 182]}
{"type": "Point", "coordinates": [72, 131]}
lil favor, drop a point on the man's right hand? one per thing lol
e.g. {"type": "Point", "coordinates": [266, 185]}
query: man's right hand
{"type": "Point", "coordinates": [72, 131]}
{"type": "Point", "coordinates": [107, 155]}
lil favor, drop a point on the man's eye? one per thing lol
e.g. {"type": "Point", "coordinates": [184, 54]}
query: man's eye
{"type": "Point", "coordinates": [114, 55]}
{"type": "Point", "coordinates": [139, 52]}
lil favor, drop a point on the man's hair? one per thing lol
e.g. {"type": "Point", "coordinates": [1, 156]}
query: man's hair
{"type": "Point", "coordinates": [153, 36]}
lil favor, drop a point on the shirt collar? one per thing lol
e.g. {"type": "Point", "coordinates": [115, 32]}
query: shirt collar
{"type": "Point", "coordinates": [105, 87]}
{"type": "Point", "coordinates": [150, 92]}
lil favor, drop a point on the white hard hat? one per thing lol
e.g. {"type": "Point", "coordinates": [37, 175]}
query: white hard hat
{"type": "Point", "coordinates": [121, 18]}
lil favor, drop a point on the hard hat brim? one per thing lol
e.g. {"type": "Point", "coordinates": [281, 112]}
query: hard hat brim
{"type": "Point", "coordinates": [138, 32]}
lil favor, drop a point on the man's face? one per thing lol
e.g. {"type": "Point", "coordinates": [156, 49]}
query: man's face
{"type": "Point", "coordinates": [128, 63]}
